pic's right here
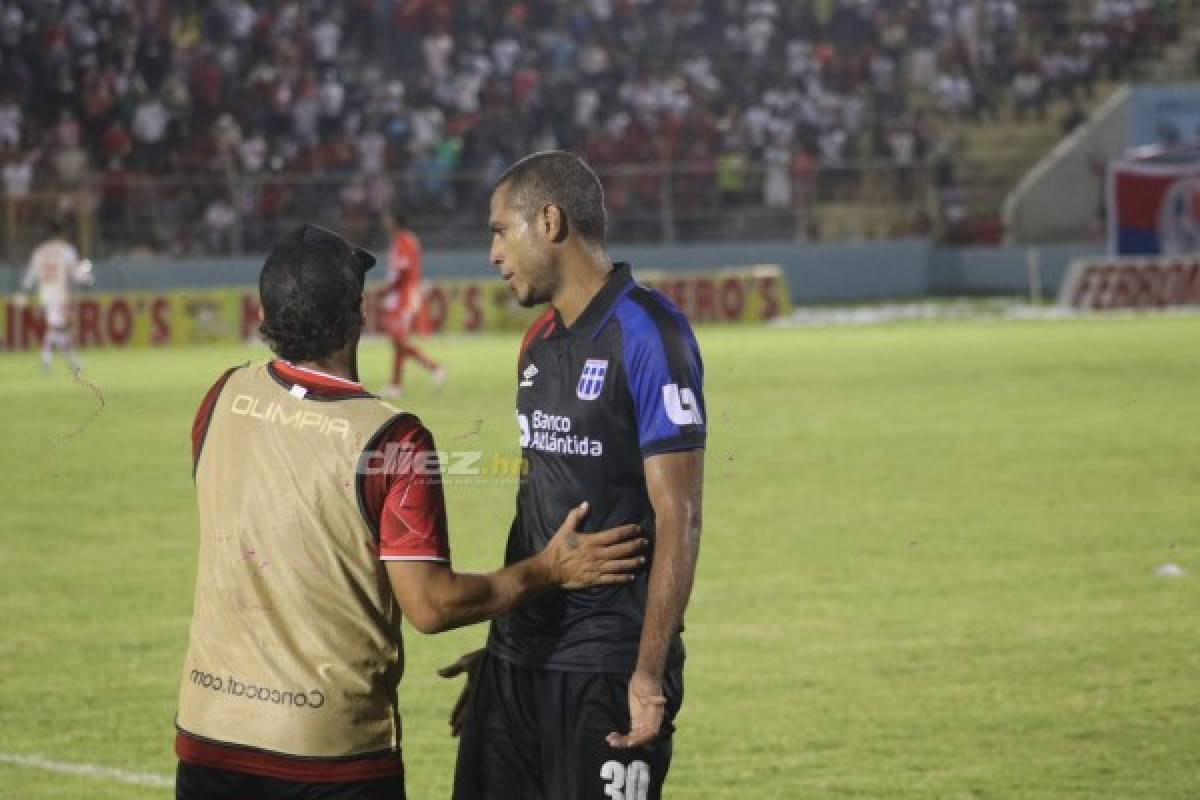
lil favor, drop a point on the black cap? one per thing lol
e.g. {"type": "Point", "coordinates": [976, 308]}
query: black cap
{"type": "Point", "coordinates": [312, 267]}
{"type": "Point", "coordinates": [320, 247]}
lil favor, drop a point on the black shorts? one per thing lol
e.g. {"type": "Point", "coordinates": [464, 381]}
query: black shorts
{"type": "Point", "coordinates": [193, 782]}
{"type": "Point", "coordinates": [533, 734]}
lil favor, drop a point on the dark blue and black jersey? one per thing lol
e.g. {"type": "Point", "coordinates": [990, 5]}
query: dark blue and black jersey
{"type": "Point", "coordinates": [621, 384]}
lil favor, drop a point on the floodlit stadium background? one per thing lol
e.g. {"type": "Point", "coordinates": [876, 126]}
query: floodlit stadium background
{"type": "Point", "coordinates": [951, 532]}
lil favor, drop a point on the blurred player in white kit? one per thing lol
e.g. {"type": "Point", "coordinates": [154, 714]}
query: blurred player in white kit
{"type": "Point", "coordinates": [54, 266]}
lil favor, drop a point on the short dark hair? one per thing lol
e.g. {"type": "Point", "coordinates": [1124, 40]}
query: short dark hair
{"type": "Point", "coordinates": [311, 288]}
{"type": "Point", "coordinates": [563, 179]}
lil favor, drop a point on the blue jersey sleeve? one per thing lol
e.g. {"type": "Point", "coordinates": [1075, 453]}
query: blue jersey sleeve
{"type": "Point", "coordinates": [664, 372]}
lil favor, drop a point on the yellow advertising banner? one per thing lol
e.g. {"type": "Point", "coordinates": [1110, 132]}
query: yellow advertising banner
{"type": "Point", "coordinates": [741, 294]}
{"type": "Point", "coordinates": [140, 319]}
{"type": "Point", "coordinates": [210, 316]}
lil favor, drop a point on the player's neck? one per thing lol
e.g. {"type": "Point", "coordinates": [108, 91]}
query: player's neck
{"type": "Point", "coordinates": [582, 279]}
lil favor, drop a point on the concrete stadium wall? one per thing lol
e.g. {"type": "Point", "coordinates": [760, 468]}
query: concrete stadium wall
{"type": "Point", "coordinates": [824, 273]}
{"type": "Point", "coordinates": [984, 271]}
{"type": "Point", "coordinates": [1059, 199]}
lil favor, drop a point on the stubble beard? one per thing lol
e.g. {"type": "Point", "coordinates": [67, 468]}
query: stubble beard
{"type": "Point", "coordinates": [532, 298]}
{"type": "Point", "coordinates": [537, 290]}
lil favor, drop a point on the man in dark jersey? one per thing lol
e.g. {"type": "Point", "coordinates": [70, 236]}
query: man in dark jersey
{"type": "Point", "coordinates": [576, 693]}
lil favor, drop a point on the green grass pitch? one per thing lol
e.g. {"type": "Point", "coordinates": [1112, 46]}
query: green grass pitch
{"type": "Point", "coordinates": [926, 569]}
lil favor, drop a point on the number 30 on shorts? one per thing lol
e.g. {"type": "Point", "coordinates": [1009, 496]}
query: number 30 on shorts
{"type": "Point", "coordinates": [626, 783]}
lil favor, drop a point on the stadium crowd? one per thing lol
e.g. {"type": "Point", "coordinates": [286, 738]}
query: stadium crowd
{"type": "Point", "coordinates": [251, 114]}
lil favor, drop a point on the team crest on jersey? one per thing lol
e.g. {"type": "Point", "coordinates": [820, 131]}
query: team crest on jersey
{"type": "Point", "coordinates": [591, 380]}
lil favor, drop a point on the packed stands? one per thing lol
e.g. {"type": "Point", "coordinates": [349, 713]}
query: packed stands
{"type": "Point", "coordinates": [208, 127]}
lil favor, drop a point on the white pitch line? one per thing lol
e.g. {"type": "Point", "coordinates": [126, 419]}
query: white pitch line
{"type": "Point", "coordinates": [35, 761]}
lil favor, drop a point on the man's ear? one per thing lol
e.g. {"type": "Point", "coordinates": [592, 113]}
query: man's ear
{"type": "Point", "coordinates": [554, 223]}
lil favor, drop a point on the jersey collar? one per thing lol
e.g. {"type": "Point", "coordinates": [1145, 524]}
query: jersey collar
{"type": "Point", "coordinates": [597, 310]}
{"type": "Point", "coordinates": [317, 384]}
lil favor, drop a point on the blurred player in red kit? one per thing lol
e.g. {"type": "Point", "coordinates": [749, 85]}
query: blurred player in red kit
{"type": "Point", "coordinates": [403, 301]}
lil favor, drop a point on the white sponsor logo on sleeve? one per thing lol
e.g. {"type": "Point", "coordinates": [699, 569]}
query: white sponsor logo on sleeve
{"type": "Point", "coordinates": [681, 405]}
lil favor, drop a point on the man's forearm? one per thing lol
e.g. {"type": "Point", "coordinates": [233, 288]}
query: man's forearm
{"type": "Point", "coordinates": [677, 547]}
{"type": "Point", "coordinates": [458, 599]}
{"type": "Point", "coordinates": [435, 598]}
